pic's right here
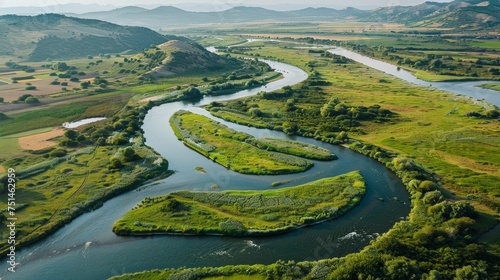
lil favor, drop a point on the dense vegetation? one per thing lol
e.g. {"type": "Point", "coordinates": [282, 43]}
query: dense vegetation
{"type": "Point", "coordinates": [241, 152]}
{"type": "Point", "coordinates": [303, 111]}
{"type": "Point", "coordinates": [244, 212]}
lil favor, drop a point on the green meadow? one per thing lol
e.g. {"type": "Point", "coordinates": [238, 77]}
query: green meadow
{"type": "Point", "coordinates": [244, 212]}
{"type": "Point", "coordinates": [241, 152]}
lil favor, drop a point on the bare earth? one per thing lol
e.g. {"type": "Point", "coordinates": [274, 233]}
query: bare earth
{"type": "Point", "coordinates": [2, 169]}
{"type": "Point", "coordinates": [40, 141]}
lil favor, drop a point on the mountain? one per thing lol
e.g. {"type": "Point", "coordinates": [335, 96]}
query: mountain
{"type": "Point", "coordinates": [170, 16]}
{"type": "Point", "coordinates": [183, 56]}
{"type": "Point", "coordinates": [457, 14]}
{"type": "Point", "coordinates": [53, 36]}
{"type": "Point", "coordinates": [58, 9]}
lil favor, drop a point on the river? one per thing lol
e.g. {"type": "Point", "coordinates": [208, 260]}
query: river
{"type": "Point", "coordinates": [86, 248]}
{"type": "Point", "coordinates": [469, 88]}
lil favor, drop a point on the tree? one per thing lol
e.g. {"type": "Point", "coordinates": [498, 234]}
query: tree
{"type": "Point", "coordinates": [342, 136]}
{"type": "Point", "coordinates": [427, 186]}
{"type": "Point", "coordinates": [129, 154]}
{"type": "Point", "coordinates": [85, 85]}
{"type": "Point", "coordinates": [432, 197]}
{"type": "Point", "coordinates": [115, 163]}
{"type": "Point", "coordinates": [71, 134]}
{"type": "Point", "coordinates": [1, 99]}
{"type": "Point", "coordinates": [191, 92]}
{"type": "Point", "coordinates": [24, 97]}
{"type": "Point", "coordinates": [255, 112]}
{"type": "Point", "coordinates": [437, 63]}
{"type": "Point", "coordinates": [353, 113]}
{"type": "Point", "coordinates": [61, 66]}
{"type": "Point", "coordinates": [32, 100]}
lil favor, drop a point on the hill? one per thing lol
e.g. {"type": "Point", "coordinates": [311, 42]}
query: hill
{"type": "Point", "coordinates": [181, 57]}
{"type": "Point", "coordinates": [53, 36]}
{"type": "Point", "coordinates": [456, 14]}
{"type": "Point", "coordinates": [459, 14]}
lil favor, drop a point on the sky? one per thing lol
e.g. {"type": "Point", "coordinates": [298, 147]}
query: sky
{"type": "Point", "coordinates": [218, 4]}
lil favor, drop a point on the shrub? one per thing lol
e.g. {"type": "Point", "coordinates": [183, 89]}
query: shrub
{"type": "Point", "coordinates": [32, 100]}
{"type": "Point", "coordinates": [58, 153]}
{"type": "Point", "coordinates": [30, 88]}
{"type": "Point", "coordinates": [115, 163]}
{"type": "Point", "coordinates": [24, 97]}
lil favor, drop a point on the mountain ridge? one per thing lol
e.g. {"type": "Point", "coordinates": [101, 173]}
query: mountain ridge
{"type": "Point", "coordinates": [456, 14]}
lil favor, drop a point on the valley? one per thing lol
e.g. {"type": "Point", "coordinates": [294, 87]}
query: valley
{"type": "Point", "coordinates": [217, 110]}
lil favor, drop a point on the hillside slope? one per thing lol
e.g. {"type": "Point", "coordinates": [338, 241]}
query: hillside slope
{"type": "Point", "coordinates": [182, 57]}
{"type": "Point", "coordinates": [469, 14]}
{"type": "Point", "coordinates": [53, 36]}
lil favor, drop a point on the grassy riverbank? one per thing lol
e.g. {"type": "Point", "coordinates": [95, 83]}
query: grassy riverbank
{"type": "Point", "coordinates": [244, 212]}
{"type": "Point", "coordinates": [241, 152]}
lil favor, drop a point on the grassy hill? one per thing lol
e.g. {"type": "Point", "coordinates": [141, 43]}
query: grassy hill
{"type": "Point", "coordinates": [181, 57]}
{"type": "Point", "coordinates": [53, 36]}
{"type": "Point", "coordinates": [457, 14]}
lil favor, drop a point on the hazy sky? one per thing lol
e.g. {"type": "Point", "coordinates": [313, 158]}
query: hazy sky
{"type": "Point", "coordinates": [219, 3]}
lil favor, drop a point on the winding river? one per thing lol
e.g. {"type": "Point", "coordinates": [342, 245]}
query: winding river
{"type": "Point", "coordinates": [469, 88]}
{"type": "Point", "coordinates": [86, 248]}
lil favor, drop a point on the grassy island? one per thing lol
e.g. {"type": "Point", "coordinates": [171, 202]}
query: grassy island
{"type": "Point", "coordinates": [242, 213]}
{"type": "Point", "coordinates": [241, 152]}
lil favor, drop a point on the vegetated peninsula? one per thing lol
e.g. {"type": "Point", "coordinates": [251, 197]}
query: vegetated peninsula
{"type": "Point", "coordinates": [244, 213]}
{"type": "Point", "coordinates": [241, 152]}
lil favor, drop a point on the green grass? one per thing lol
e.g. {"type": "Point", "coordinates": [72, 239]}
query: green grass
{"type": "Point", "coordinates": [100, 106]}
{"type": "Point", "coordinates": [487, 44]}
{"type": "Point", "coordinates": [56, 191]}
{"type": "Point", "coordinates": [228, 147]}
{"type": "Point", "coordinates": [245, 212]}
{"type": "Point", "coordinates": [292, 148]}
{"type": "Point", "coordinates": [491, 86]}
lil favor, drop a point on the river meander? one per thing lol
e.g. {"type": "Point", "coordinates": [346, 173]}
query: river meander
{"type": "Point", "coordinates": [86, 248]}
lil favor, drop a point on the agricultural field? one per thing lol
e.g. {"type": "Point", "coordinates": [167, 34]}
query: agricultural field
{"type": "Point", "coordinates": [241, 152]}
{"type": "Point", "coordinates": [245, 212]}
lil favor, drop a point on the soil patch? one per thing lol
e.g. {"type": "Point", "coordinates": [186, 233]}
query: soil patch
{"type": "Point", "coordinates": [40, 141]}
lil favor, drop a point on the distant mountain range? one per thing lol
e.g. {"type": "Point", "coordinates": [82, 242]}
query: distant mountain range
{"type": "Point", "coordinates": [457, 14]}
{"type": "Point", "coordinates": [53, 36]}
